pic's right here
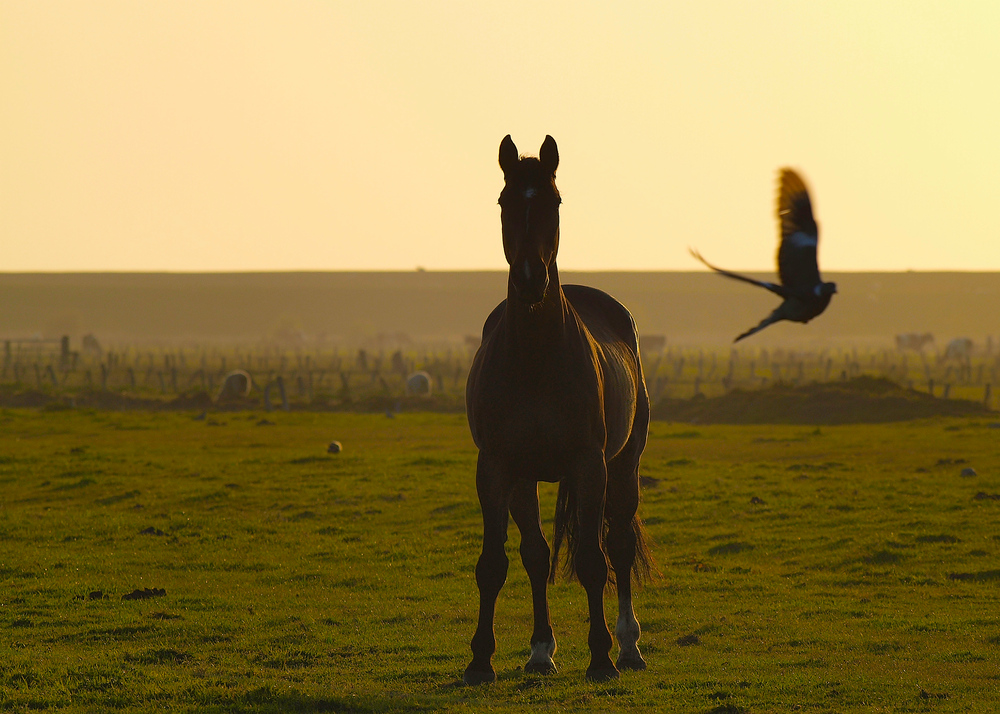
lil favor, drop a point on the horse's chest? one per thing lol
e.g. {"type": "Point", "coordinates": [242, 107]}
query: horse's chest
{"type": "Point", "coordinates": [537, 422]}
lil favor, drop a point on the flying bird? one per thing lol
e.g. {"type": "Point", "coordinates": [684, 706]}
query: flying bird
{"type": "Point", "coordinates": [805, 294]}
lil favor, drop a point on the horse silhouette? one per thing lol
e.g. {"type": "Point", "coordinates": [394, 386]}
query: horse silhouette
{"type": "Point", "coordinates": [556, 394]}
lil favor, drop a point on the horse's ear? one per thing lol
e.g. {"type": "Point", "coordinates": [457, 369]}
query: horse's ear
{"type": "Point", "coordinates": [549, 155]}
{"type": "Point", "coordinates": [508, 154]}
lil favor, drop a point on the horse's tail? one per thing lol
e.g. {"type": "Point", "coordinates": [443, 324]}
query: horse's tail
{"type": "Point", "coordinates": [643, 567]}
{"type": "Point", "coordinates": [566, 524]}
{"type": "Point", "coordinates": [565, 527]}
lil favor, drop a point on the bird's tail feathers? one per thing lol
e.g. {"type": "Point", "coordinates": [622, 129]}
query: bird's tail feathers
{"type": "Point", "coordinates": [769, 320]}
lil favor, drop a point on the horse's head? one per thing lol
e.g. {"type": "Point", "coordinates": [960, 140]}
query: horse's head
{"type": "Point", "coordinates": [529, 216]}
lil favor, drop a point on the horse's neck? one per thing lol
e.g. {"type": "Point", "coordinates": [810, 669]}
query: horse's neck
{"type": "Point", "coordinates": [540, 328]}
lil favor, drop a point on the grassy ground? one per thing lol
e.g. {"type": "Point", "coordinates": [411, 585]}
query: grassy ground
{"type": "Point", "coordinates": [834, 570]}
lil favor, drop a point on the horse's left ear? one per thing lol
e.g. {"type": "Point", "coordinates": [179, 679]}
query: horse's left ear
{"type": "Point", "coordinates": [548, 155]}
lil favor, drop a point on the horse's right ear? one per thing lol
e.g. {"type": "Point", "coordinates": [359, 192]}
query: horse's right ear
{"type": "Point", "coordinates": [508, 154]}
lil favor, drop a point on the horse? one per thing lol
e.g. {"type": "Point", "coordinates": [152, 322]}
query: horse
{"type": "Point", "coordinates": [913, 341]}
{"type": "Point", "coordinates": [556, 393]}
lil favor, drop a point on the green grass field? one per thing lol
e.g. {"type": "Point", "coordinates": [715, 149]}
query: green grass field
{"type": "Point", "coordinates": [819, 570]}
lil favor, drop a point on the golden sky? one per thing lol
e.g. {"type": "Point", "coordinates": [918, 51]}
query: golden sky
{"type": "Point", "coordinates": [363, 135]}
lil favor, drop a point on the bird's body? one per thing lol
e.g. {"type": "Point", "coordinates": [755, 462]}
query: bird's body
{"type": "Point", "coordinates": [805, 294]}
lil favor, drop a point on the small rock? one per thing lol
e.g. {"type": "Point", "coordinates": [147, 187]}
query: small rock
{"type": "Point", "coordinates": [335, 447]}
{"type": "Point", "coordinates": [144, 594]}
{"type": "Point", "coordinates": [688, 640]}
{"type": "Point", "coordinates": [968, 471]}
{"type": "Point", "coordinates": [151, 531]}
{"type": "Point", "coordinates": [95, 595]}
{"type": "Point", "coordinates": [200, 417]}
{"type": "Point", "coordinates": [265, 422]}
{"type": "Point", "coordinates": [757, 501]}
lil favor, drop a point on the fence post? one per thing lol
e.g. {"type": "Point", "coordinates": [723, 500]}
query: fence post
{"type": "Point", "coordinates": [282, 392]}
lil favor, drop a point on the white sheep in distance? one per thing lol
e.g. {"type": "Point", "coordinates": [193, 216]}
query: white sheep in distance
{"type": "Point", "coordinates": [419, 383]}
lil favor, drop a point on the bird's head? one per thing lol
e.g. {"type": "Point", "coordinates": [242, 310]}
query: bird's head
{"type": "Point", "coordinates": [826, 289]}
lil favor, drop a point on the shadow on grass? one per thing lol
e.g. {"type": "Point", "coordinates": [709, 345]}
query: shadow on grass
{"type": "Point", "coordinates": [980, 577]}
{"type": "Point", "coordinates": [265, 700]}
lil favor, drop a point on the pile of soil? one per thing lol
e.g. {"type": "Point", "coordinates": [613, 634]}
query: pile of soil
{"type": "Point", "coordinates": [863, 400]}
{"type": "Point", "coordinates": [202, 401]}
{"type": "Point", "coordinates": [95, 399]}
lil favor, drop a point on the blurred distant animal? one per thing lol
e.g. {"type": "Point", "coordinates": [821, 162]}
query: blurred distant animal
{"type": "Point", "coordinates": [419, 383]}
{"type": "Point", "coordinates": [805, 294]}
{"type": "Point", "coordinates": [652, 343]}
{"type": "Point", "coordinates": [236, 385]}
{"type": "Point", "coordinates": [398, 363]}
{"type": "Point", "coordinates": [555, 393]}
{"type": "Point", "coordinates": [91, 345]}
{"type": "Point", "coordinates": [959, 349]}
{"type": "Point", "coordinates": [913, 341]}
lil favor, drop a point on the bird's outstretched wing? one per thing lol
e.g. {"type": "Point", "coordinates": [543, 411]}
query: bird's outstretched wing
{"type": "Point", "coordinates": [797, 263]}
{"type": "Point", "coordinates": [776, 289]}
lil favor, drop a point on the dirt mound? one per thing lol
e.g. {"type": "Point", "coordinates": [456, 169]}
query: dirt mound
{"type": "Point", "coordinates": [863, 400]}
{"type": "Point", "coordinates": [198, 400]}
{"type": "Point", "coordinates": [30, 398]}
{"type": "Point", "coordinates": [94, 399]}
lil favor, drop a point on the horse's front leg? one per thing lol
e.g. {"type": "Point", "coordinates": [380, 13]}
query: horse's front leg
{"type": "Point", "coordinates": [591, 563]}
{"type": "Point", "coordinates": [491, 570]}
{"type": "Point", "coordinates": [535, 557]}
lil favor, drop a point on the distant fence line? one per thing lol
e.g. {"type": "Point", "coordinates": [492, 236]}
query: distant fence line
{"type": "Point", "coordinates": [346, 374]}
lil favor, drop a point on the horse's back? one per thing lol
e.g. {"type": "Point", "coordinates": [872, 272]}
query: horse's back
{"type": "Point", "coordinates": [494, 319]}
{"type": "Point", "coordinates": [607, 319]}
{"type": "Point", "coordinates": [626, 404]}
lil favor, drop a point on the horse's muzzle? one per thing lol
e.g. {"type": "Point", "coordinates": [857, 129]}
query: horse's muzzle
{"type": "Point", "coordinates": [531, 280]}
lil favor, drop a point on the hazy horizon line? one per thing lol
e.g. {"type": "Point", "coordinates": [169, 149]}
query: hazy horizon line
{"type": "Point", "coordinates": [466, 270]}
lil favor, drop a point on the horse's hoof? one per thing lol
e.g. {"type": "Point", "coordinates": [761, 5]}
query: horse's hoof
{"type": "Point", "coordinates": [634, 661]}
{"type": "Point", "coordinates": [541, 658]}
{"type": "Point", "coordinates": [472, 677]}
{"type": "Point", "coordinates": [534, 667]}
{"type": "Point", "coordinates": [602, 674]}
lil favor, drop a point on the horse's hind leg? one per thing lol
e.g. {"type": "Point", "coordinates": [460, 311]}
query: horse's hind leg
{"type": "Point", "coordinates": [623, 501]}
{"type": "Point", "coordinates": [491, 569]}
{"type": "Point", "coordinates": [591, 564]}
{"type": "Point", "coordinates": [535, 557]}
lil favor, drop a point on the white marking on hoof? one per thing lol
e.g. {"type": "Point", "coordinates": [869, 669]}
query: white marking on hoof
{"type": "Point", "coordinates": [541, 658]}
{"type": "Point", "coordinates": [627, 632]}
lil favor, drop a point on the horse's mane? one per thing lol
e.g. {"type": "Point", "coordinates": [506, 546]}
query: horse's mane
{"type": "Point", "coordinates": [530, 171]}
